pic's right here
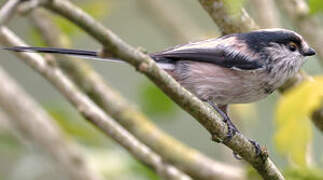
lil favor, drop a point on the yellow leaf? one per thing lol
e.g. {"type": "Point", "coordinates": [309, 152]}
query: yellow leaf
{"type": "Point", "coordinates": [294, 131]}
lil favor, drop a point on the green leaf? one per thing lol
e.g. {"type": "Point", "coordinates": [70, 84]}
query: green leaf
{"type": "Point", "coordinates": [36, 37]}
{"type": "Point", "coordinates": [316, 6]}
{"type": "Point", "coordinates": [97, 9]}
{"type": "Point", "coordinates": [76, 126]}
{"type": "Point", "coordinates": [294, 130]}
{"type": "Point", "coordinates": [303, 174]}
{"type": "Point", "coordinates": [154, 101]}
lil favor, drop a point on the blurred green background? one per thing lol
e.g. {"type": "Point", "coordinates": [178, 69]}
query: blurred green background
{"type": "Point", "coordinates": [139, 28]}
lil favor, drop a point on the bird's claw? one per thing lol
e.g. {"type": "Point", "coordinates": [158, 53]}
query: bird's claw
{"type": "Point", "coordinates": [232, 130]}
{"type": "Point", "coordinates": [260, 151]}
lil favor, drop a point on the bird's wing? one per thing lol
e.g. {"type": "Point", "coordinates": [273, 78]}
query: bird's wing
{"type": "Point", "coordinates": [216, 51]}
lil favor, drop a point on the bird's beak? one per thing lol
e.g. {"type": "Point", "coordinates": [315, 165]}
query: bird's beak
{"type": "Point", "coordinates": [309, 52]}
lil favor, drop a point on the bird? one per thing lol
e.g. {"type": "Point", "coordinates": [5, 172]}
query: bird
{"type": "Point", "coordinates": [232, 69]}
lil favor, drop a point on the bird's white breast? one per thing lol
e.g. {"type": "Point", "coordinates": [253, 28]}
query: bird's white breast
{"type": "Point", "coordinates": [223, 85]}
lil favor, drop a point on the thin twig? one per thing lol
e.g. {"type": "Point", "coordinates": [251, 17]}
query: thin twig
{"type": "Point", "coordinates": [7, 11]}
{"type": "Point", "coordinates": [181, 156]}
{"type": "Point", "coordinates": [266, 13]}
{"type": "Point", "coordinates": [181, 28]}
{"type": "Point", "coordinates": [204, 114]}
{"type": "Point", "coordinates": [35, 125]}
{"type": "Point", "coordinates": [228, 22]}
{"type": "Point", "coordinates": [90, 110]}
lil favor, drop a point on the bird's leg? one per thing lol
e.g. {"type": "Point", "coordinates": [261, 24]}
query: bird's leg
{"type": "Point", "coordinates": [222, 110]}
{"type": "Point", "coordinates": [232, 130]}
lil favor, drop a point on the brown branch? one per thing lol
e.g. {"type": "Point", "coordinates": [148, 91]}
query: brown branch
{"type": "Point", "coordinates": [90, 110]}
{"type": "Point", "coordinates": [181, 156]}
{"type": "Point", "coordinates": [35, 125]}
{"type": "Point", "coordinates": [179, 26]}
{"type": "Point", "coordinates": [266, 13]}
{"type": "Point", "coordinates": [205, 115]}
{"type": "Point", "coordinates": [7, 11]}
{"type": "Point", "coordinates": [228, 23]}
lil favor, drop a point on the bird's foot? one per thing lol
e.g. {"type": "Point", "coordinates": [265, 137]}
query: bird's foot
{"type": "Point", "coordinates": [260, 151]}
{"type": "Point", "coordinates": [232, 129]}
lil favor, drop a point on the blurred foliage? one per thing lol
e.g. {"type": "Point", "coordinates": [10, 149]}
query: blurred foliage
{"type": "Point", "coordinates": [36, 39]}
{"type": "Point", "coordinates": [154, 101]}
{"type": "Point", "coordinates": [76, 126]}
{"type": "Point", "coordinates": [291, 174]}
{"type": "Point", "coordinates": [316, 6]}
{"type": "Point", "coordinates": [245, 111]}
{"type": "Point", "coordinates": [7, 141]}
{"type": "Point", "coordinates": [144, 170]}
{"type": "Point", "coordinates": [234, 6]}
{"type": "Point", "coordinates": [294, 130]}
{"type": "Point", "coordinates": [252, 174]}
{"type": "Point", "coordinates": [117, 164]}
{"type": "Point", "coordinates": [97, 9]}
{"type": "Point", "coordinates": [303, 174]}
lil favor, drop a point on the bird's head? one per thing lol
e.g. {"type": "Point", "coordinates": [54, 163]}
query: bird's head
{"type": "Point", "coordinates": [284, 50]}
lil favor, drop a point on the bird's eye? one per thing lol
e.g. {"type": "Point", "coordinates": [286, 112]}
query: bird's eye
{"type": "Point", "coordinates": [292, 46]}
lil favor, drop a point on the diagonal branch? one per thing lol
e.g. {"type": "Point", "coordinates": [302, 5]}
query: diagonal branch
{"type": "Point", "coordinates": [205, 115]}
{"type": "Point", "coordinates": [181, 156]}
{"type": "Point", "coordinates": [228, 22]}
{"type": "Point", "coordinates": [268, 18]}
{"type": "Point", "coordinates": [7, 11]}
{"type": "Point", "coordinates": [35, 125]}
{"type": "Point", "coordinates": [180, 27]}
{"type": "Point", "coordinates": [90, 110]}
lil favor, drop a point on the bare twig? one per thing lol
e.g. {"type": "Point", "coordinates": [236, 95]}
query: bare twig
{"type": "Point", "coordinates": [181, 28]}
{"type": "Point", "coordinates": [183, 157]}
{"type": "Point", "coordinates": [205, 115]}
{"type": "Point", "coordinates": [7, 11]}
{"type": "Point", "coordinates": [228, 23]}
{"type": "Point", "coordinates": [90, 110]}
{"type": "Point", "coordinates": [266, 13]}
{"type": "Point", "coordinates": [35, 125]}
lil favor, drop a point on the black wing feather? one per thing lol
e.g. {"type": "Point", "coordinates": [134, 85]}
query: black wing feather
{"type": "Point", "coordinates": [228, 57]}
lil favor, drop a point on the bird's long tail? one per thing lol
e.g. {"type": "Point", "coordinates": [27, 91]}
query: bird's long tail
{"type": "Point", "coordinates": [92, 55]}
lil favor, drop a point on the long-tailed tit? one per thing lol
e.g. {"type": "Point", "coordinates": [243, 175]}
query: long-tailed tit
{"type": "Point", "coordinates": [236, 68]}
